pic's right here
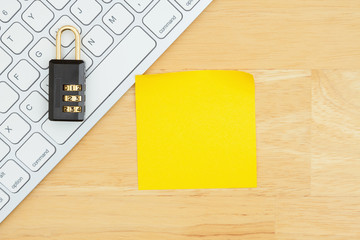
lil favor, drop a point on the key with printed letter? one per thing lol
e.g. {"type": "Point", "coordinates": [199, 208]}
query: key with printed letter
{"type": "Point", "coordinates": [17, 38]}
{"type": "Point", "coordinates": [35, 106]}
{"type": "Point", "coordinates": [86, 10]}
{"type": "Point", "coordinates": [12, 176]}
{"type": "Point", "coordinates": [14, 128]}
{"type": "Point", "coordinates": [42, 52]}
{"type": "Point", "coordinates": [97, 41]}
{"type": "Point", "coordinates": [118, 18]}
{"type": "Point", "coordinates": [37, 16]}
{"type": "Point", "coordinates": [23, 75]}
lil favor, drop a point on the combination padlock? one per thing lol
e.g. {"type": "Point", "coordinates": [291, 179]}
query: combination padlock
{"type": "Point", "coordinates": [67, 83]}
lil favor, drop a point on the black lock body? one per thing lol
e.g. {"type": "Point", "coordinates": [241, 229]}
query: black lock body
{"type": "Point", "coordinates": [67, 90]}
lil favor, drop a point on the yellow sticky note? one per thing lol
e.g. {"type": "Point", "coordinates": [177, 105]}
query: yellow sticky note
{"type": "Point", "coordinates": [196, 130]}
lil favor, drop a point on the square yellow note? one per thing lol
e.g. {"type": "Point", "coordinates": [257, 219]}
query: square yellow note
{"type": "Point", "coordinates": [196, 130]}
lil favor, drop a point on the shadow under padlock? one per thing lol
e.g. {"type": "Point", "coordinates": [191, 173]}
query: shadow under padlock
{"type": "Point", "coordinates": [67, 83]}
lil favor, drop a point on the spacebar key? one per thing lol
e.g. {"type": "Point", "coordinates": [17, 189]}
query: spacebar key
{"type": "Point", "coordinates": [122, 61]}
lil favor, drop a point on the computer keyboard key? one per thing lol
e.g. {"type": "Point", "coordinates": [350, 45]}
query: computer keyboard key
{"type": "Point", "coordinates": [23, 75]}
{"type": "Point", "coordinates": [12, 176]}
{"type": "Point", "coordinates": [60, 131]}
{"type": "Point", "coordinates": [9, 9]}
{"type": "Point", "coordinates": [4, 149]}
{"type": "Point", "coordinates": [187, 4]}
{"type": "Point", "coordinates": [97, 41]}
{"type": "Point", "coordinates": [8, 97]}
{"type": "Point", "coordinates": [4, 199]}
{"type": "Point", "coordinates": [162, 18]}
{"type": "Point", "coordinates": [86, 10]}
{"type": "Point", "coordinates": [37, 16]}
{"type": "Point", "coordinates": [139, 5]}
{"type": "Point", "coordinates": [17, 38]}
{"type": "Point", "coordinates": [5, 60]}
{"type": "Point", "coordinates": [14, 128]}
{"type": "Point", "coordinates": [88, 61]}
{"type": "Point", "coordinates": [35, 152]}
{"type": "Point", "coordinates": [118, 18]}
{"type": "Point", "coordinates": [35, 106]}
{"type": "Point", "coordinates": [43, 52]}
{"type": "Point", "coordinates": [67, 37]}
{"type": "Point", "coordinates": [58, 4]}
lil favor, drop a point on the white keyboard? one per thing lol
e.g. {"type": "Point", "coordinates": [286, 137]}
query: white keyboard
{"type": "Point", "coordinates": [120, 39]}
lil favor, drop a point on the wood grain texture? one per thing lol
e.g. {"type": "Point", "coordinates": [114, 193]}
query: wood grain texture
{"type": "Point", "coordinates": [308, 134]}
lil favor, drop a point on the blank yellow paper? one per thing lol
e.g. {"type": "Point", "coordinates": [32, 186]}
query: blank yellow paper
{"type": "Point", "coordinates": [196, 130]}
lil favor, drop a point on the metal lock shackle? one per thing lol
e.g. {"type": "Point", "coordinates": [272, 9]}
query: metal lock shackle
{"type": "Point", "coordinates": [77, 41]}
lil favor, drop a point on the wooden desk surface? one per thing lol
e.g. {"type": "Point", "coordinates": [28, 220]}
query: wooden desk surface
{"type": "Point", "coordinates": [308, 134]}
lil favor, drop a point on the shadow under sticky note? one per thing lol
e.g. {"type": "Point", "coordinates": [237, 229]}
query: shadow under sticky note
{"type": "Point", "coordinates": [196, 130]}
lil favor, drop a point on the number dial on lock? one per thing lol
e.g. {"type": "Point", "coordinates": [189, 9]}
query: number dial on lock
{"type": "Point", "coordinates": [72, 98]}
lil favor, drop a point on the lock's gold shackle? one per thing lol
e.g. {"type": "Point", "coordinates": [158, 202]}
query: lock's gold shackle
{"type": "Point", "coordinates": [77, 41]}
